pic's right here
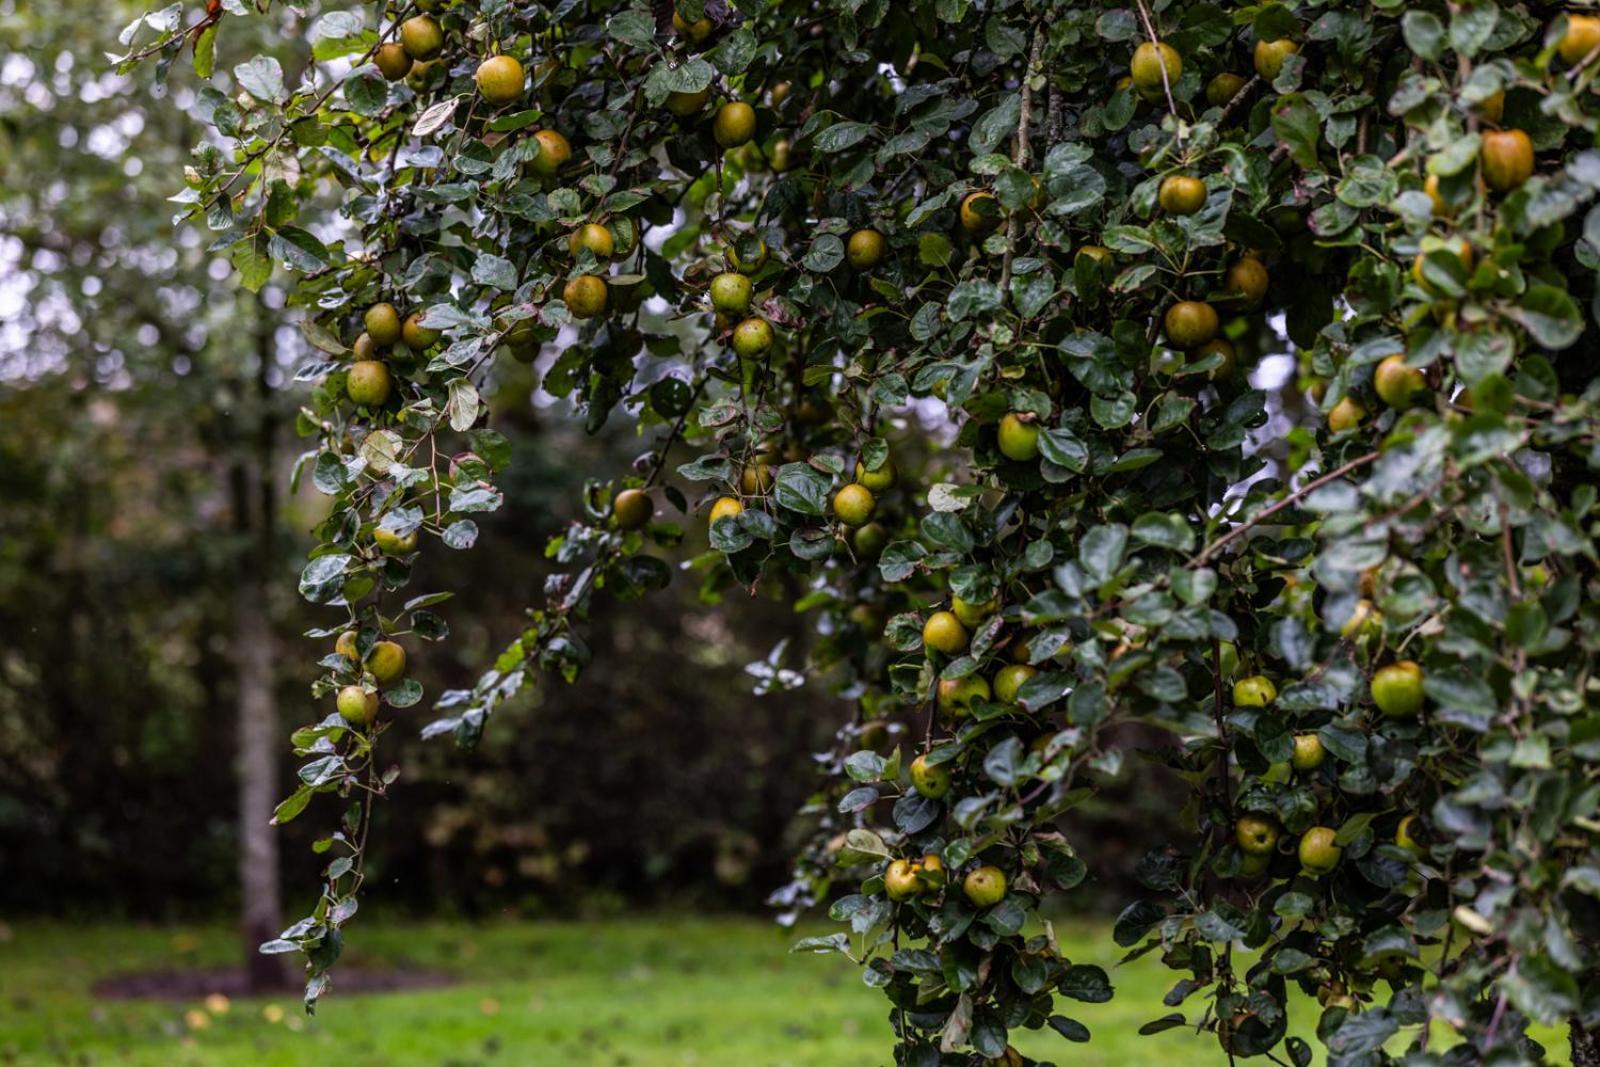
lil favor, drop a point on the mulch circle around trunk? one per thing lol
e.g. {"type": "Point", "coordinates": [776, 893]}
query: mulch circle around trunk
{"type": "Point", "coordinates": [198, 982]}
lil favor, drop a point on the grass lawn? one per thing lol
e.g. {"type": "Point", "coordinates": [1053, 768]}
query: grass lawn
{"type": "Point", "coordinates": [656, 992]}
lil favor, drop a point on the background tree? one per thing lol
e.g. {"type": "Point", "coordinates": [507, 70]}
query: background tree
{"type": "Point", "coordinates": [135, 585]}
{"type": "Point", "coordinates": [775, 234]}
{"type": "Point", "coordinates": [125, 319]}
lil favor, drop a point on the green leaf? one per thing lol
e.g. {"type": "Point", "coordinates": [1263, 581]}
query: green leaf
{"type": "Point", "coordinates": [802, 488]}
{"type": "Point", "coordinates": [366, 91]}
{"type": "Point", "coordinates": [285, 812]}
{"type": "Point", "coordinates": [1164, 531]}
{"type": "Point", "coordinates": [298, 249]}
{"type": "Point", "coordinates": [945, 530]}
{"type": "Point", "coordinates": [1550, 316]}
{"type": "Point", "coordinates": [690, 77]}
{"type": "Point", "coordinates": [1368, 182]}
{"type": "Point", "coordinates": [1541, 989]}
{"type": "Point", "coordinates": [996, 124]}
{"type": "Point", "coordinates": [1004, 761]}
{"type": "Point", "coordinates": [729, 535]}
{"type": "Point", "coordinates": [1043, 689]}
{"type": "Point", "coordinates": [862, 846]}
{"type": "Point", "coordinates": [251, 260]}
{"type": "Point", "coordinates": [633, 27]}
{"type": "Point", "coordinates": [496, 271]}
{"type": "Point", "coordinates": [205, 53]}
{"type": "Point", "coordinates": [1299, 128]}
{"type": "Point", "coordinates": [1363, 1033]}
{"type": "Point", "coordinates": [323, 577]}
{"type": "Point", "coordinates": [435, 118]}
{"type": "Point", "coordinates": [1214, 927]}
{"type": "Point", "coordinates": [1424, 33]}
{"type": "Point", "coordinates": [1100, 551]}
{"type": "Point", "coordinates": [825, 253]}
{"type": "Point", "coordinates": [974, 298]}
{"type": "Point", "coordinates": [461, 534]}
{"type": "Point", "coordinates": [1136, 920]}
{"type": "Point", "coordinates": [1087, 983]}
{"type": "Point", "coordinates": [463, 405]}
{"type": "Point", "coordinates": [1117, 25]}
{"type": "Point", "coordinates": [262, 78]}
{"type": "Point", "coordinates": [403, 694]}
{"type": "Point", "coordinates": [842, 135]}
{"type": "Point", "coordinates": [1526, 624]}
{"type": "Point", "coordinates": [735, 52]}
{"type": "Point", "coordinates": [1472, 25]}
{"type": "Point", "coordinates": [1062, 447]}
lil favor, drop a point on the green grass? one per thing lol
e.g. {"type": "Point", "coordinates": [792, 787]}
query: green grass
{"type": "Point", "coordinates": [655, 992]}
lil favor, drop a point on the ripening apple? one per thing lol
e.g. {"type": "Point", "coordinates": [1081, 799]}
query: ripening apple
{"type": "Point", "coordinates": [972, 614]}
{"type": "Point", "coordinates": [985, 886]}
{"type": "Point", "coordinates": [1256, 691]}
{"type": "Point", "coordinates": [943, 632]}
{"type": "Point", "coordinates": [1308, 752]}
{"type": "Point", "coordinates": [955, 696]}
{"type": "Point", "coordinates": [1256, 834]}
{"type": "Point", "coordinates": [930, 780]}
{"type": "Point", "coordinates": [900, 881]}
{"type": "Point", "coordinates": [357, 706]}
{"type": "Point", "coordinates": [1319, 852]}
{"type": "Point", "coordinates": [1397, 689]}
{"type": "Point", "coordinates": [1009, 680]}
{"type": "Point", "coordinates": [387, 661]}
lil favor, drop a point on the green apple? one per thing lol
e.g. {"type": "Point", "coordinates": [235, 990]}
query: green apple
{"type": "Point", "coordinates": [1308, 752]}
{"type": "Point", "coordinates": [1257, 834]}
{"type": "Point", "coordinates": [1318, 852]}
{"type": "Point", "coordinates": [1008, 681]}
{"type": "Point", "coordinates": [1018, 440]}
{"type": "Point", "coordinates": [931, 780]}
{"type": "Point", "coordinates": [972, 614]}
{"type": "Point", "coordinates": [985, 886]}
{"type": "Point", "coordinates": [1397, 689]}
{"type": "Point", "coordinates": [956, 695]}
{"type": "Point", "coordinates": [357, 706]}
{"type": "Point", "coordinates": [943, 632]}
{"type": "Point", "coordinates": [1256, 691]}
{"type": "Point", "coordinates": [900, 881]}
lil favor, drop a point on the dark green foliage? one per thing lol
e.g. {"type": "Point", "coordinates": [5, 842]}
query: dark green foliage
{"type": "Point", "coordinates": [1175, 531]}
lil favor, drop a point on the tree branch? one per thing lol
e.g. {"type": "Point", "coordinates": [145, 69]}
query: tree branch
{"type": "Point", "coordinates": [1293, 498]}
{"type": "Point", "coordinates": [1155, 39]}
{"type": "Point", "coordinates": [1022, 151]}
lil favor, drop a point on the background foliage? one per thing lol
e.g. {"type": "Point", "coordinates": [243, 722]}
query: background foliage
{"type": "Point", "coordinates": [1360, 616]}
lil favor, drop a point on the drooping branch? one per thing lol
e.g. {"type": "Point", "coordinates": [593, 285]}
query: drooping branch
{"type": "Point", "coordinates": [1289, 501]}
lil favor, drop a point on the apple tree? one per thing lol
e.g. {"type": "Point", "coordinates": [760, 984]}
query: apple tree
{"type": "Point", "coordinates": [1075, 370]}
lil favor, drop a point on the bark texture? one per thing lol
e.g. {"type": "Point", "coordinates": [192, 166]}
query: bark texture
{"type": "Point", "coordinates": [254, 647]}
{"type": "Point", "coordinates": [1585, 1045]}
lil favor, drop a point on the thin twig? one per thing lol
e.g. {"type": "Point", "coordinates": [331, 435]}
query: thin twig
{"type": "Point", "coordinates": [1293, 498]}
{"type": "Point", "coordinates": [672, 438]}
{"type": "Point", "coordinates": [1022, 151]}
{"type": "Point", "coordinates": [200, 26]}
{"type": "Point", "coordinates": [316, 105]}
{"type": "Point", "coordinates": [1238, 97]}
{"type": "Point", "coordinates": [1166, 83]}
{"type": "Point", "coordinates": [1222, 726]}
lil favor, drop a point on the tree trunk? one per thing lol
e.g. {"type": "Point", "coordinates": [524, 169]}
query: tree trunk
{"type": "Point", "coordinates": [261, 913]}
{"type": "Point", "coordinates": [1585, 1045]}
{"type": "Point", "coordinates": [255, 511]}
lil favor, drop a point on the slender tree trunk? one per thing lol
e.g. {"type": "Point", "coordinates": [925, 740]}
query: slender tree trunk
{"type": "Point", "coordinates": [261, 911]}
{"type": "Point", "coordinates": [261, 916]}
